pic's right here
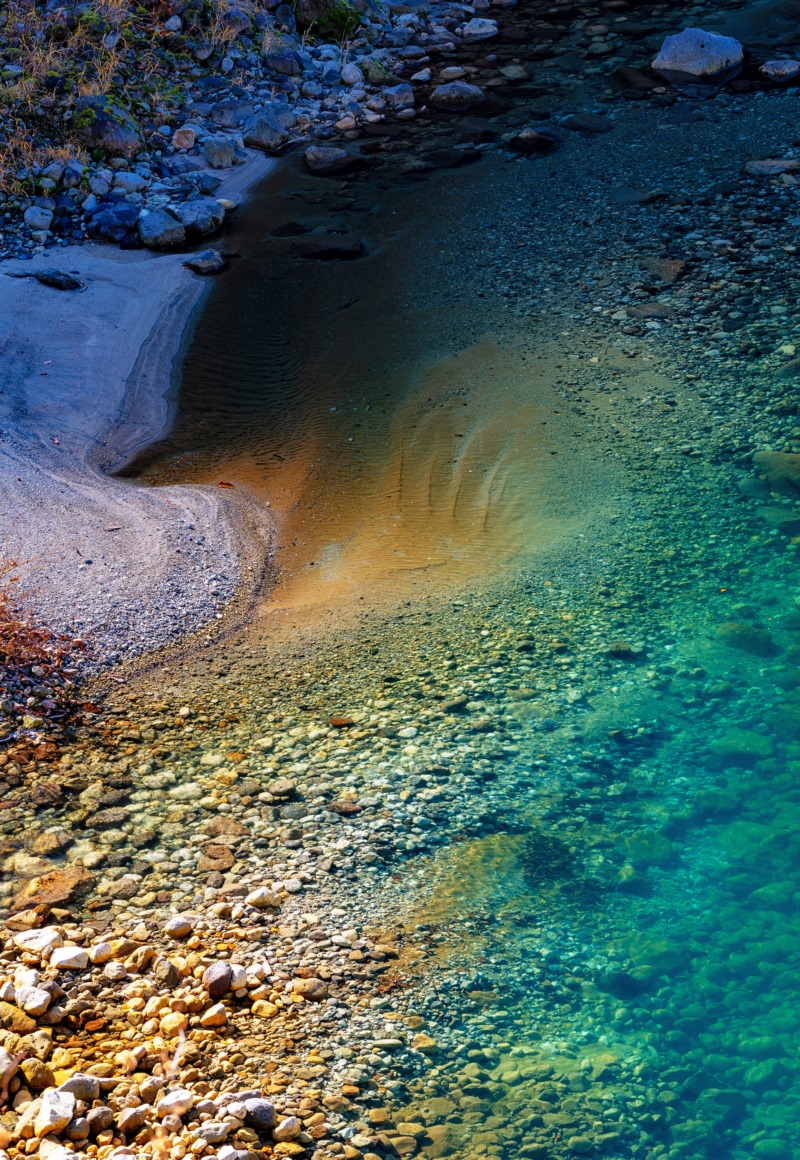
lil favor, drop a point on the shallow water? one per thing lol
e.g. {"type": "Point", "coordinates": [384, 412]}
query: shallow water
{"type": "Point", "coordinates": [609, 928]}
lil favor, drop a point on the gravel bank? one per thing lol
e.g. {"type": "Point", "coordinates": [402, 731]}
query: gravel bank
{"type": "Point", "coordinates": [87, 378]}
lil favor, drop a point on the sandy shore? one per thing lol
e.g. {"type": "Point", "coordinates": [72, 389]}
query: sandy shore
{"type": "Point", "coordinates": [85, 383]}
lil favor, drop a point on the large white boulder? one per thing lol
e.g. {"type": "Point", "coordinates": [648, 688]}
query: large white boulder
{"type": "Point", "coordinates": [698, 63]}
{"type": "Point", "coordinates": [55, 1112]}
{"type": "Point", "coordinates": [38, 942]}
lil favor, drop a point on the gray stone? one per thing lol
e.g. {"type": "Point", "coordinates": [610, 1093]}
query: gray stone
{"type": "Point", "coordinates": [207, 262]}
{"type": "Point", "coordinates": [220, 152]}
{"type": "Point", "coordinates": [351, 74]}
{"type": "Point", "coordinates": [179, 926]}
{"type": "Point", "coordinates": [201, 216]}
{"type": "Point", "coordinates": [780, 71]}
{"type": "Point", "coordinates": [260, 1114]}
{"type": "Point", "coordinates": [100, 1119]}
{"type": "Point", "coordinates": [698, 63]}
{"type": "Point", "coordinates": [38, 217]}
{"type": "Point", "coordinates": [32, 1000]}
{"type": "Point", "coordinates": [175, 1103]}
{"type": "Point", "coordinates": [236, 20]}
{"type": "Point", "coordinates": [160, 230]}
{"type": "Point", "coordinates": [479, 29]}
{"type": "Point", "coordinates": [230, 114]}
{"type": "Point", "coordinates": [55, 1112]}
{"type": "Point", "coordinates": [456, 95]}
{"type": "Point", "coordinates": [399, 97]}
{"type": "Point", "coordinates": [100, 124]}
{"type": "Point", "coordinates": [130, 182]}
{"type": "Point", "coordinates": [212, 1132]}
{"type": "Point", "coordinates": [167, 974]}
{"type": "Point", "coordinates": [132, 1119]}
{"type": "Point", "coordinates": [73, 173]}
{"type": "Point", "coordinates": [263, 131]}
{"type": "Point", "coordinates": [69, 958]}
{"type": "Point", "coordinates": [284, 61]}
{"type": "Point", "coordinates": [83, 1087]}
{"type": "Point", "coordinates": [375, 72]}
{"type": "Point", "coordinates": [287, 1129]}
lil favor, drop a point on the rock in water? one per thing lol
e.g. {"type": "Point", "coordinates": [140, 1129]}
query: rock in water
{"type": "Point", "coordinates": [330, 159]}
{"type": "Point", "coordinates": [325, 248]}
{"type": "Point", "coordinates": [780, 71]}
{"type": "Point", "coordinates": [531, 141]}
{"type": "Point", "coordinates": [456, 95]}
{"type": "Point", "coordinates": [782, 468]}
{"type": "Point", "coordinates": [772, 166]}
{"type": "Point", "coordinates": [60, 886]}
{"type": "Point", "coordinates": [698, 63]}
{"type": "Point", "coordinates": [207, 262]}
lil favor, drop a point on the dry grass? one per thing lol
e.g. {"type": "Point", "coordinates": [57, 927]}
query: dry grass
{"type": "Point", "coordinates": [109, 47]}
{"type": "Point", "coordinates": [58, 62]}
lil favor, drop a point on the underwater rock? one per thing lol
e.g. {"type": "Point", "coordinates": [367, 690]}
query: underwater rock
{"type": "Point", "coordinates": [649, 848]}
{"type": "Point", "coordinates": [747, 637]}
{"type": "Point", "coordinates": [54, 889]}
{"type": "Point", "coordinates": [327, 248]}
{"type": "Point", "coordinates": [545, 858]}
{"type": "Point", "coordinates": [331, 159]}
{"type": "Point", "coordinates": [741, 746]}
{"type": "Point", "coordinates": [532, 141]}
{"type": "Point", "coordinates": [782, 468]}
{"type": "Point", "coordinates": [780, 71]}
{"type": "Point", "coordinates": [772, 167]}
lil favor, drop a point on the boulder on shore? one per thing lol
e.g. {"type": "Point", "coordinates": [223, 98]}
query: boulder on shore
{"type": "Point", "coordinates": [100, 124]}
{"type": "Point", "coordinates": [456, 95]}
{"type": "Point", "coordinates": [160, 230]}
{"type": "Point", "coordinates": [263, 131]}
{"type": "Point", "coordinates": [698, 63]}
{"type": "Point", "coordinates": [200, 216]}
